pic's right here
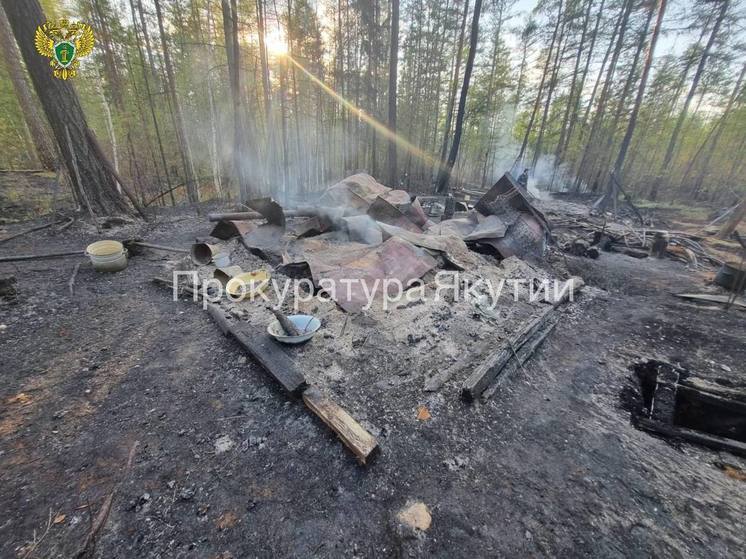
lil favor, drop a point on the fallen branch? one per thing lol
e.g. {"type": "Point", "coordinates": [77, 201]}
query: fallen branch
{"type": "Point", "coordinates": [156, 247]}
{"type": "Point", "coordinates": [103, 513]}
{"type": "Point", "coordinates": [36, 542]}
{"type": "Point", "coordinates": [180, 289]}
{"type": "Point", "coordinates": [66, 225]}
{"type": "Point", "coordinates": [30, 230]}
{"type": "Point", "coordinates": [22, 257]}
{"type": "Point", "coordinates": [712, 298]}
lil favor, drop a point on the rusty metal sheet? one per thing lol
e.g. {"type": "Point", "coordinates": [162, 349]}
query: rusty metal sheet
{"type": "Point", "coordinates": [489, 227]}
{"type": "Point", "coordinates": [526, 237]}
{"type": "Point", "coordinates": [267, 241]}
{"type": "Point", "coordinates": [456, 227]}
{"type": "Point", "coordinates": [472, 227]}
{"type": "Point", "coordinates": [415, 212]}
{"type": "Point", "coordinates": [385, 212]}
{"type": "Point", "coordinates": [307, 227]}
{"type": "Point", "coordinates": [355, 193]}
{"type": "Point", "coordinates": [453, 249]}
{"type": "Point", "coordinates": [396, 197]}
{"type": "Point", "coordinates": [394, 259]}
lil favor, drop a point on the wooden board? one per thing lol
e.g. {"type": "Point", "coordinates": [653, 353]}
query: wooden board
{"type": "Point", "coordinates": [523, 355]}
{"type": "Point", "coordinates": [269, 355]}
{"type": "Point", "coordinates": [486, 372]}
{"type": "Point", "coordinates": [352, 434]}
{"type": "Point", "coordinates": [263, 350]}
{"type": "Point", "coordinates": [531, 336]}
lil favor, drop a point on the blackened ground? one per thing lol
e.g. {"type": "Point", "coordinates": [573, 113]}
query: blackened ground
{"type": "Point", "coordinates": [550, 465]}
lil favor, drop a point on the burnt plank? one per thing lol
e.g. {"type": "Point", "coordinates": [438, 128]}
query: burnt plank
{"type": "Point", "coordinates": [535, 332]}
{"type": "Point", "coordinates": [263, 350]}
{"type": "Point", "coordinates": [269, 355]}
{"type": "Point", "coordinates": [487, 371]}
{"type": "Point", "coordinates": [523, 354]}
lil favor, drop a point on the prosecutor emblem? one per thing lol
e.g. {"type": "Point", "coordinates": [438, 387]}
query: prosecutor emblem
{"type": "Point", "coordinates": [65, 43]}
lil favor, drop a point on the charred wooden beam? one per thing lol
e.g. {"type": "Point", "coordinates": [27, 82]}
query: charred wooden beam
{"type": "Point", "coordinates": [263, 350]}
{"type": "Point", "coordinates": [529, 336]}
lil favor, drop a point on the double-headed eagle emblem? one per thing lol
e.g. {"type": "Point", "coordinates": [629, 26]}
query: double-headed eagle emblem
{"type": "Point", "coordinates": [65, 42]}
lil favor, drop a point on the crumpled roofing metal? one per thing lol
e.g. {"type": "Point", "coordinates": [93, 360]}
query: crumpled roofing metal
{"type": "Point", "coordinates": [393, 259]}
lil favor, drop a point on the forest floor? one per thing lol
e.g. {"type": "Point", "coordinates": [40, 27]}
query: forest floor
{"type": "Point", "coordinates": [228, 466]}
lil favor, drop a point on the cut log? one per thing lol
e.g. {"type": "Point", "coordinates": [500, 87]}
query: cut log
{"type": "Point", "coordinates": [488, 371]}
{"type": "Point", "coordinates": [305, 211]}
{"type": "Point", "coordinates": [351, 433]}
{"type": "Point", "coordinates": [220, 318]}
{"type": "Point", "coordinates": [522, 355]}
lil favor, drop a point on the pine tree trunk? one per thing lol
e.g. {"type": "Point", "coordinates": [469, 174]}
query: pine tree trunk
{"type": "Point", "coordinates": [632, 123]}
{"type": "Point", "coordinates": [263, 59]}
{"type": "Point", "coordinates": [150, 96]}
{"type": "Point", "coordinates": [719, 127]}
{"type": "Point", "coordinates": [604, 160]}
{"type": "Point", "coordinates": [603, 98]}
{"type": "Point", "coordinates": [692, 90]}
{"type": "Point", "coordinates": [566, 129]}
{"type": "Point", "coordinates": [393, 172]}
{"type": "Point", "coordinates": [97, 181]}
{"type": "Point", "coordinates": [233, 54]}
{"type": "Point", "coordinates": [441, 186]}
{"type": "Point", "coordinates": [37, 127]}
{"type": "Point", "coordinates": [552, 84]}
{"type": "Point", "coordinates": [454, 84]}
{"type": "Point", "coordinates": [192, 185]}
{"type": "Point", "coordinates": [540, 92]}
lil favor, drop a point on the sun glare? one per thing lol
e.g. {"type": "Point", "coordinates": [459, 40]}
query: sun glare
{"type": "Point", "coordinates": [276, 43]}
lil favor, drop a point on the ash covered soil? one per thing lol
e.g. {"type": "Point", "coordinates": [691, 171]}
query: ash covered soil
{"type": "Point", "coordinates": [228, 466]}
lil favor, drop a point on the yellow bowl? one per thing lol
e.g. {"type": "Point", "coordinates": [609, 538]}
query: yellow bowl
{"type": "Point", "coordinates": [247, 285]}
